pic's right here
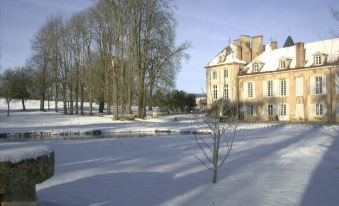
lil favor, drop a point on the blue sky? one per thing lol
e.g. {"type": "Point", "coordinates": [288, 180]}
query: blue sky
{"type": "Point", "coordinates": [206, 24]}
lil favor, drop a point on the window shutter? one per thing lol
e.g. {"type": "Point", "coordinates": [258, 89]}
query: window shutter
{"type": "Point", "coordinates": [254, 110]}
{"type": "Point", "coordinates": [275, 110]}
{"type": "Point", "coordinates": [324, 108]}
{"type": "Point", "coordinates": [313, 109]}
{"type": "Point", "coordinates": [324, 83]}
{"type": "Point", "coordinates": [264, 88]}
{"type": "Point", "coordinates": [287, 88]}
{"type": "Point", "coordinates": [244, 109]}
{"type": "Point", "coordinates": [337, 110]}
{"type": "Point", "coordinates": [312, 85]}
{"type": "Point", "coordinates": [245, 90]}
{"type": "Point", "coordinates": [287, 112]}
{"type": "Point", "coordinates": [276, 88]}
{"type": "Point", "coordinates": [299, 86]}
{"type": "Point", "coordinates": [300, 110]}
{"type": "Point", "coordinates": [253, 83]}
{"type": "Point", "coordinates": [337, 83]}
{"type": "Point", "coordinates": [265, 110]}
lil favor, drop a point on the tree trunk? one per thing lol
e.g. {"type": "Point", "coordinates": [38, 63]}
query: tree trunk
{"type": "Point", "coordinates": [8, 108]}
{"type": "Point", "coordinates": [56, 98]}
{"type": "Point", "coordinates": [42, 101]}
{"type": "Point", "coordinates": [64, 97]}
{"type": "Point", "coordinates": [129, 92]}
{"type": "Point", "coordinates": [71, 112]}
{"type": "Point", "coordinates": [48, 102]}
{"type": "Point", "coordinates": [216, 156]}
{"type": "Point", "coordinates": [141, 92]}
{"type": "Point", "coordinates": [116, 91]}
{"type": "Point", "coordinates": [23, 104]}
{"type": "Point", "coordinates": [101, 106]}
{"type": "Point", "coordinates": [77, 97]}
{"type": "Point", "coordinates": [150, 103]}
{"type": "Point", "coordinates": [82, 99]}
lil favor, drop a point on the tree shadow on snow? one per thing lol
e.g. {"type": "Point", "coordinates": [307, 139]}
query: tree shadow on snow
{"type": "Point", "coordinates": [323, 186]}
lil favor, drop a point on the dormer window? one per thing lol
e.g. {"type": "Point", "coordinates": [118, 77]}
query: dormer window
{"type": "Point", "coordinates": [255, 67]}
{"type": "Point", "coordinates": [282, 64]}
{"type": "Point", "coordinates": [317, 60]}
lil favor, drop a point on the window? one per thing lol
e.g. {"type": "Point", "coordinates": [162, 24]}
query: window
{"type": "Point", "coordinates": [255, 67]}
{"type": "Point", "coordinates": [282, 64]}
{"type": "Point", "coordinates": [337, 109]}
{"type": "Point", "coordinates": [226, 73]}
{"type": "Point", "coordinates": [283, 110]}
{"type": "Point", "coordinates": [215, 92]}
{"type": "Point", "coordinates": [270, 88]}
{"type": "Point", "coordinates": [250, 89]}
{"type": "Point", "coordinates": [226, 91]}
{"type": "Point", "coordinates": [319, 109]}
{"type": "Point", "coordinates": [317, 60]}
{"type": "Point", "coordinates": [270, 110]}
{"type": "Point", "coordinates": [318, 85]}
{"type": "Point", "coordinates": [250, 111]}
{"type": "Point", "coordinates": [215, 75]}
{"type": "Point", "coordinates": [283, 87]}
{"type": "Point", "coordinates": [299, 86]}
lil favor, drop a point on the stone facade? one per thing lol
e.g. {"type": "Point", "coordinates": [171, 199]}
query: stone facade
{"type": "Point", "coordinates": [299, 83]}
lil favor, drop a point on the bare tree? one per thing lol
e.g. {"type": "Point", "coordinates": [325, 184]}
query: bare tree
{"type": "Point", "coordinates": [222, 122]}
{"type": "Point", "coordinates": [7, 87]}
{"type": "Point", "coordinates": [335, 14]}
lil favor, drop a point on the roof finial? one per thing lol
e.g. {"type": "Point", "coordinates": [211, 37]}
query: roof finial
{"type": "Point", "coordinates": [229, 41]}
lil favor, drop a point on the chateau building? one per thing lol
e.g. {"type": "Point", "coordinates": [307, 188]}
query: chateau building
{"type": "Point", "coordinates": [299, 82]}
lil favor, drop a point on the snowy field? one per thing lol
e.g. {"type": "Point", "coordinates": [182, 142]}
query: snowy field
{"type": "Point", "coordinates": [52, 123]}
{"type": "Point", "coordinates": [279, 165]}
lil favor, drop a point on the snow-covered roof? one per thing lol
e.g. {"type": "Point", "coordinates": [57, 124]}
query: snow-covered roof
{"type": "Point", "coordinates": [227, 56]}
{"type": "Point", "coordinates": [270, 58]}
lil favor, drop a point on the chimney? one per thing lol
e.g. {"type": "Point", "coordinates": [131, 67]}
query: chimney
{"type": "Point", "coordinates": [239, 52]}
{"type": "Point", "coordinates": [300, 54]}
{"type": "Point", "coordinates": [257, 45]}
{"type": "Point", "coordinates": [274, 45]}
{"type": "Point", "coordinates": [236, 42]}
{"type": "Point", "coordinates": [245, 43]}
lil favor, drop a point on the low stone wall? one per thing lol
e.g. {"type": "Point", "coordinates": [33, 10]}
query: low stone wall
{"type": "Point", "coordinates": [18, 180]}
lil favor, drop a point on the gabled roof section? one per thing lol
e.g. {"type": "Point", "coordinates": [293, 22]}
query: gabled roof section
{"type": "Point", "coordinates": [289, 42]}
{"type": "Point", "coordinates": [227, 56]}
{"type": "Point", "coordinates": [270, 58]}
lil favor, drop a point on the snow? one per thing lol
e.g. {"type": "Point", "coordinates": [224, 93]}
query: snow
{"type": "Point", "coordinates": [270, 164]}
{"type": "Point", "coordinates": [230, 58]}
{"type": "Point", "coordinates": [280, 165]}
{"type": "Point", "coordinates": [14, 153]}
{"type": "Point", "coordinates": [270, 58]}
{"type": "Point", "coordinates": [34, 121]}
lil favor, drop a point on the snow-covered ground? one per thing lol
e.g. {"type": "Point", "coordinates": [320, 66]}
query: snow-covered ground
{"type": "Point", "coordinates": [278, 165]}
{"type": "Point", "coordinates": [55, 123]}
{"type": "Point", "coordinates": [51, 123]}
{"type": "Point", "coordinates": [270, 164]}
